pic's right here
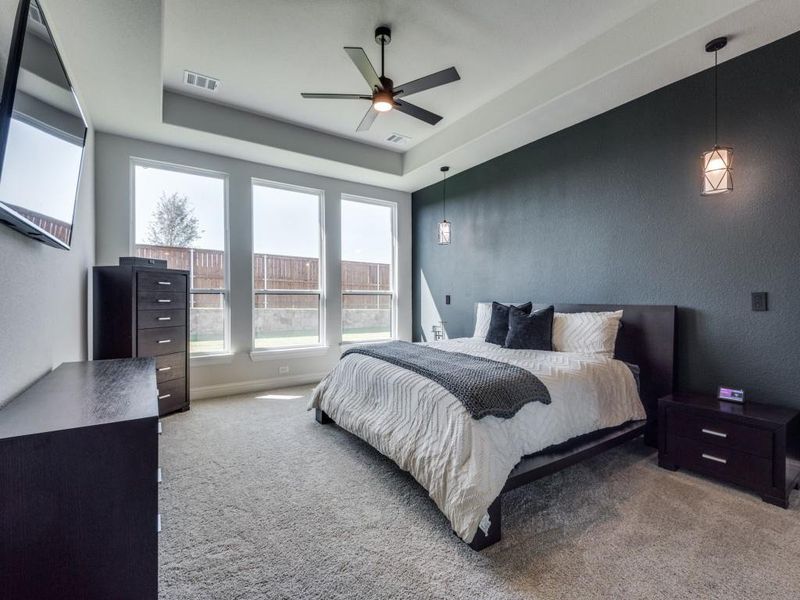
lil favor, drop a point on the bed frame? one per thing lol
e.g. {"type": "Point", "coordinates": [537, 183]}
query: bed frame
{"type": "Point", "coordinates": [647, 339]}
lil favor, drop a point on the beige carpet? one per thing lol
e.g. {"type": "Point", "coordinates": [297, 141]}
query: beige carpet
{"type": "Point", "coordinates": [259, 501]}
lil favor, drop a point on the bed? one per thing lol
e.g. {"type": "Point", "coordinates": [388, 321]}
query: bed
{"type": "Point", "coordinates": [466, 464]}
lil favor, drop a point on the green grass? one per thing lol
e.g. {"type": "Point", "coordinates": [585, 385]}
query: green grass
{"type": "Point", "coordinates": [288, 339]}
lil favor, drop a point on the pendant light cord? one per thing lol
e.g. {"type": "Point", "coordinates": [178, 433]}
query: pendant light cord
{"type": "Point", "coordinates": [716, 102]}
{"type": "Point", "coordinates": [383, 45]}
{"type": "Point", "coordinates": [444, 194]}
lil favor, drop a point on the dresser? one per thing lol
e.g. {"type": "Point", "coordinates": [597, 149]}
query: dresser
{"type": "Point", "coordinates": [752, 445]}
{"type": "Point", "coordinates": [143, 311]}
{"type": "Point", "coordinates": [79, 484]}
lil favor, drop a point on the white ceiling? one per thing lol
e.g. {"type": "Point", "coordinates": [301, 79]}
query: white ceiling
{"type": "Point", "coordinates": [528, 68]}
{"type": "Point", "coordinates": [282, 48]}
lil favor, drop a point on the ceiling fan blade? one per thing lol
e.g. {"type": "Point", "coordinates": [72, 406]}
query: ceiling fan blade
{"type": "Point", "coordinates": [368, 119]}
{"type": "Point", "coordinates": [337, 96]}
{"type": "Point", "coordinates": [361, 61]}
{"type": "Point", "coordinates": [429, 81]}
{"type": "Point", "coordinates": [415, 111]}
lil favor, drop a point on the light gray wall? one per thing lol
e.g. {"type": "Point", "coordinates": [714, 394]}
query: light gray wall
{"type": "Point", "coordinates": [43, 316]}
{"type": "Point", "coordinates": [114, 231]}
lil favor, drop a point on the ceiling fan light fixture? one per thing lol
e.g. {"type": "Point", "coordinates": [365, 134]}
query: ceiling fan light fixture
{"type": "Point", "coordinates": [382, 101]}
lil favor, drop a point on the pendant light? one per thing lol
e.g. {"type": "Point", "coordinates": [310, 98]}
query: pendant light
{"type": "Point", "coordinates": [717, 162]}
{"type": "Point", "coordinates": [444, 226]}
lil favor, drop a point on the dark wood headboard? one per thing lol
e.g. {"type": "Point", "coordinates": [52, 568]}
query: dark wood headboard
{"type": "Point", "coordinates": [647, 339]}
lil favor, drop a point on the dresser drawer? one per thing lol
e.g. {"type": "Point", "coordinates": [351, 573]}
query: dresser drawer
{"type": "Point", "coordinates": [150, 319]}
{"type": "Point", "coordinates": [170, 366]}
{"type": "Point", "coordinates": [157, 342]}
{"type": "Point", "coordinates": [171, 396]}
{"type": "Point", "coordinates": [161, 282]}
{"type": "Point", "coordinates": [721, 433]}
{"type": "Point", "coordinates": [723, 463]}
{"type": "Point", "coordinates": [152, 300]}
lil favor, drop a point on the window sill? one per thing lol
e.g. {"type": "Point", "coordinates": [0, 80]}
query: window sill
{"type": "Point", "coordinates": [223, 358]}
{"type": "Point", "coordinates": [280, 353]}
{"type": "Point", "coordinates": [344, 345]}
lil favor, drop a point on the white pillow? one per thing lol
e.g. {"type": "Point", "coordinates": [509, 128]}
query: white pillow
{"type": "Point", "coordinates": [483, 317]}
{"type": "Point", "coordinates": [588, 332]}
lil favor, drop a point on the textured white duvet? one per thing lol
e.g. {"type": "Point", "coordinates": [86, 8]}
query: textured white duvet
{"type": "Point", "coordinates": [463, 463]}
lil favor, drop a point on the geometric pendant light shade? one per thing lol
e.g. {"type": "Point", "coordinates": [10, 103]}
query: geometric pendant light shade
{"type": "Point", "coordinates": [717, 171]}
{"type": "Point", "coordinates": [717, 162]}
{"type": "Point", "coordinates": [443, 236]}
{"type": "Point", "coordinates": [443, 228]}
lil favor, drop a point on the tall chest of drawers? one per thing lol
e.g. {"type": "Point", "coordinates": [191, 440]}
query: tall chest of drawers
{"type": "Point", "coordinates": [144, 312]}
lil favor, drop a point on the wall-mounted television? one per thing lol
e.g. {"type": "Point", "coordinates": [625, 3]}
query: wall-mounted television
{"type": "Point", "coordinates": [42, 129]}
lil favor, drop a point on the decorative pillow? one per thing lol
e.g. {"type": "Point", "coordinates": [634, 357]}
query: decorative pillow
{"type": "Point", "coordinates": [483, 317]}
{"type": "Point", "coordinates": [589, 332]}
{"type": "Point", "coordinates": [530, 332]}
{"type": "Point", "coordinates": [498, 326]}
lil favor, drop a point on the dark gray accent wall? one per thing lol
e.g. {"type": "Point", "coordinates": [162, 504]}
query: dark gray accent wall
{"type": "Point", "coordinates": [610, 211]}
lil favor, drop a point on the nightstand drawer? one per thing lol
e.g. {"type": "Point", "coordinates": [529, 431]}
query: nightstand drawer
{"type": "Point", "coordinates": [721, 433]}
{"type": "Point", "coordinates": [722, 463]}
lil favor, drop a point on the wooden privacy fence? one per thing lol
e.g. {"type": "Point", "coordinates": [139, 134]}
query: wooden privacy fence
{"type": "Point", "coordinates": [276, 272]}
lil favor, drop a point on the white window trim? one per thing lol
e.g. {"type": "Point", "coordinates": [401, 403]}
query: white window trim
{"type": "Point", "coordinates": [224, 355]}
{"type": "Point", "coordinates": [394, 279]}
{"type": "Point", "coordinates": [300, 351]}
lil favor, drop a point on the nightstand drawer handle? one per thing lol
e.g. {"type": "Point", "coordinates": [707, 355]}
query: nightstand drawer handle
{"type": "Point", "coordinates": [715, 459]}
{"type": "Point", "coordinates": [164, 341]}
{"type": "Point", "coordinates": [165, 396]}
{"type": "Point", "coordinates": [163, 369]}
{"type": "Point", "coordinates": [164, 300]}
{"type": "Point", "coordinates": [165, 318]}
{"type": "Point", "coordinates": [716, 433]}
{"type": "Point", "coordinates": [164, 283]}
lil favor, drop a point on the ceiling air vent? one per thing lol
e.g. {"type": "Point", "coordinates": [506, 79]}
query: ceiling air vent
{"type": "Point", "coordinates": [204, 82]}
{"type": "Point", "coordinates": [398, 138]}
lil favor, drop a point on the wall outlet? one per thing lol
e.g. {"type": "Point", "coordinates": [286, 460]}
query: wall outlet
{"type": "Point", "coordinates": [759, 300]}
{"type": "Point", "coordinates": [283, 370]}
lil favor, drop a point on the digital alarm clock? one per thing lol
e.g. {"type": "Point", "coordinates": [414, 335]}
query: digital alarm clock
{"type": "Point", "coordinates": [730, 395]}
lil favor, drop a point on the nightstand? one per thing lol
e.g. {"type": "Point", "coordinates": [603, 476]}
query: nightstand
{"type": "Point", "coordinates": [752, 445]}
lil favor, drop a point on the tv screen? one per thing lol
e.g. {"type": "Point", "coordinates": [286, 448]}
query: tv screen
{"type": "Point", "coordinates": [42, 129]}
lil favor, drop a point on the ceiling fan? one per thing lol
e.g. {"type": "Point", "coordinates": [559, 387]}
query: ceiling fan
{"type": "Point", "coordinates": [385, 96]}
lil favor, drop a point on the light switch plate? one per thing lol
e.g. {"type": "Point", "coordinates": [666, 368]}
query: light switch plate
{"type": "Point", "coordinates": [759, 300]}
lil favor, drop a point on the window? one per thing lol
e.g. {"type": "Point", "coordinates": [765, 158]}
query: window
{"type": "Point", "coordinates": [288, 270]}
{"type": "Point", "coordinates": [181, 216]}
{"type": "Point", "coordinates": [368, 272]}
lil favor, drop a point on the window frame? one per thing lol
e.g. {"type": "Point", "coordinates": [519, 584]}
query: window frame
{"type": "Point", "coordinates": [300, 349]}
{"type": "Point", "coordinates": [394, 275]}
{"type": "Point", "coordinates": [225, 292]}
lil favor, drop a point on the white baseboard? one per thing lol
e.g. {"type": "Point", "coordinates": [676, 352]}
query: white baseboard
{"type": "Point", "coordinates": [255, 385]}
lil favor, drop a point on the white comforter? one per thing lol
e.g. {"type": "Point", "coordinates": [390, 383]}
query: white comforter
{"type": "Point", "coordinates": [463, 463]}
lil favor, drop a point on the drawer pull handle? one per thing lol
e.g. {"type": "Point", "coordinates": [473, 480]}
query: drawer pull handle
{"type": "Point", "coordinates": [165, 396]}
{"type": "Point", "coordinates": [715, 459]}
{"type": "Point", "coordinates": [158, 475]}
{"type": "Point", "coordinates": [158, 523]}
{"type": "Point", "coordinates": [160, 429]}
{"type": "Point", "coordinates": [165, 318]}
{"type": "Point", "coordinates": [164, 283]}
{"type": "Point", "coordinates": [164, 341]}
{"type": "Point", "coordinates": [164, 300]}
{"type": "Point", "coordinates": [162, 369]}
{"type": "Point", "coordinates": [716, 433]}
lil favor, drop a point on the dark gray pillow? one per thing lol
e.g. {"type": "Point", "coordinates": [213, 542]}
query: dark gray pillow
{"type": "Point", "coordinates": [498, 326]}
{"type": "Point", "coordinates": [530, 331]}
